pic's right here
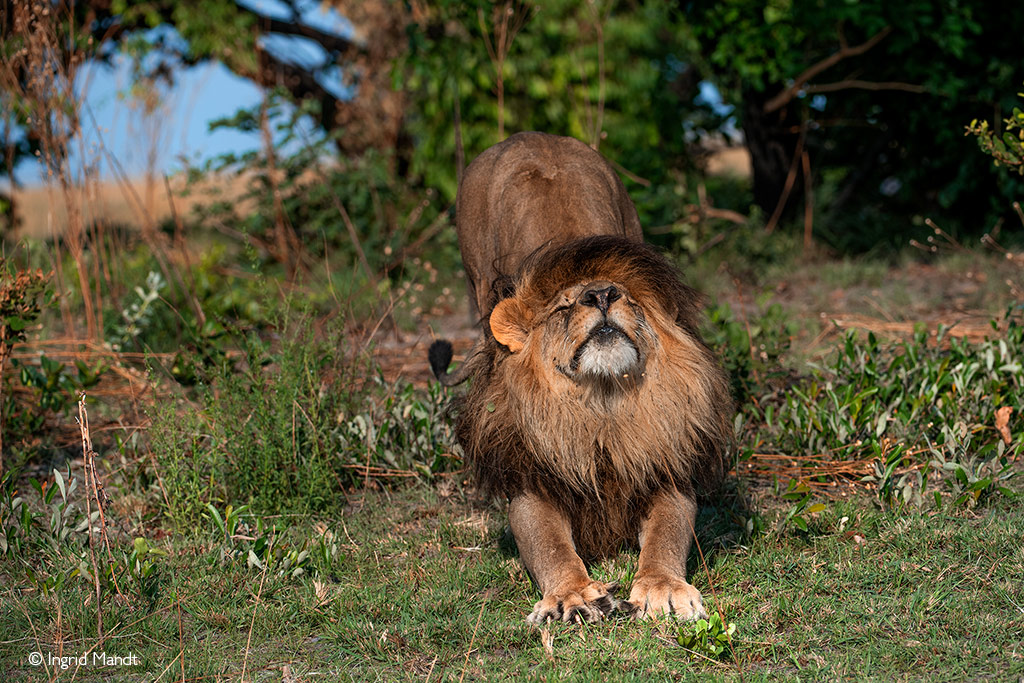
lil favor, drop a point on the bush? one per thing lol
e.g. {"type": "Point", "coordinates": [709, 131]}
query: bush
{"type": "Point", "coordinates": [750, 351]}
{"type": "Point", "coordinates": [299, 204]}
{"type": "Point", "coordinates": [259, 432]}
{"type": "Point", "coordinates": [1006, 149]}
{"type": "Point", "coordinates": [925, 411]}
{"type": "Point", "coordinates": [285, 430]}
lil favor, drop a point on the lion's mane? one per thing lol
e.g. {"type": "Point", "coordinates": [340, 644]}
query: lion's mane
{"type": "Point", "coordinates": [601, 458]}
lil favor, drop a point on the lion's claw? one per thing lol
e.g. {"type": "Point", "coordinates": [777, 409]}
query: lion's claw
{"type": "Point", "coordinates": [593, 602]}
{"type": "Point", "coordinates": [654, 596]}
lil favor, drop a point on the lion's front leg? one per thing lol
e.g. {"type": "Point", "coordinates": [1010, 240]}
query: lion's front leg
{"type": "Point", "coordinates": [660, 585]}
{"type": "Point", "coordinates": [544, 537]}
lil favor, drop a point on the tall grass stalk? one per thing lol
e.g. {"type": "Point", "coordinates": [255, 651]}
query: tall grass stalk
{"type": "Point", "coordinates": [39, 72]}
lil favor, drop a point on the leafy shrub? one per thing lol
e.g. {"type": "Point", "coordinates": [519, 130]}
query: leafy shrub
{"type": "Point", "coordinates": [285, 429]}
{"type": "Point", "coordinates": [915, 408]}
{"type": "Point", "coordinates": [160, 315]}
{"type": "Point", "coordinates": [707, 638]}
{"type": "Point", "coordinates": [136, 318]}
{"type": "Point", "coordinates": [402, 429]}
{"type": "Point", "coordinates": [1006, 149]}
{"type": "Point", "coordinates": [750, 351]}
{"type": "Point", "coordinates": [259, 433]}
{"type": "Point", "coordinates": [188, 471]}
{"type": "Point", "coordinates": [24, 531]}
{"type": "Point", "coordinates": [265, 545]}
{"type": "Point", "coordinates": [23, 296]}
{"type": "Point", "coordinates": [298, 203]}
{"type": "Point", "coordinates": [46, 537]}
{"type": "Point", "coordinates": [51, 387]}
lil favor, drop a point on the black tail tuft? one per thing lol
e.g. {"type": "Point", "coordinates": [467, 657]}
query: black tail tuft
{"type": "Point", "coordinates": [440, 356]}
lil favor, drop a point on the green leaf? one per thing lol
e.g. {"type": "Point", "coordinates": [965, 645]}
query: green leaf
{"type": "Point", "coordinates": [883, 421]}
{"type": "Point", "coordinates": [254, 561]}
{"type": "Point", "coordinates": [59, 478]}
{"type": "Point", "coordinates": [216, 518]}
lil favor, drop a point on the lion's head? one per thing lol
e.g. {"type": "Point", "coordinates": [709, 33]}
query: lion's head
{"type": "Point", "coordinates": [582, 314]}
{"type": "Point", "coordinates": [594, 381]}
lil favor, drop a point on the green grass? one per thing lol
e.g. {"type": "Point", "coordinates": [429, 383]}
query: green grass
{"type": "Point", "coordinates": [419, 585]}
{"type": "Point", "coordinates": [334, 575]}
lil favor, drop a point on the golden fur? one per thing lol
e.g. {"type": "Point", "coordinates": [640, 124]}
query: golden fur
{"type": "Point", "coordinates": [595, 408]}
{"type": "Point", "coordinates": [530, 191]}
{"type": "Point", "coordinates": [599, 452]}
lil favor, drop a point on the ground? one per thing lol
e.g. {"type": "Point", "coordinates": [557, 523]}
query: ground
{"type": "Point", "coordinates": [414, 577]}
{"type": "Point", "coordinates": [819, 299]}
{"type": "Point", "coordinates": [423, 586]}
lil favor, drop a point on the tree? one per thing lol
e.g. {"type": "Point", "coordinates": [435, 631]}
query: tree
{"type": "Point", "coordinates": [861, 102]}
{"type": "Point", "coordinates": [599, 71]}
{"type": "Point", "coordinates": [875, 93]}
{"type": "Point", "coordinates": [399, 78]}
{"type": "Point", "coordinates": [350, 80]}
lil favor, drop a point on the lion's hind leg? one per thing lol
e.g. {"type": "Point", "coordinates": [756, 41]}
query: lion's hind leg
{"type": "Point", "coordinates": [544, 538]}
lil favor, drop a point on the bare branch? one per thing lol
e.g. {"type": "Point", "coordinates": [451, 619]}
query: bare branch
{"type": "Point", "coordinates": [790, 180]}
{"type": "Point", "coordinates": [853, 84]}
{"type": "Point", "coordinates": [328, 41]}
{"type": "Point", "coordinates": [508, 20]}
{"type": "Point", "coordinates": [844, 52]}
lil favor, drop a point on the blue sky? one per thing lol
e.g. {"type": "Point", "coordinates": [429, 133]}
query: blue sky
{"type": "Point", "coordinates": [179, 129]}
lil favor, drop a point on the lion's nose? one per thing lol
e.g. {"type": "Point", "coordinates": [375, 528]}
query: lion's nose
{"type": "Point", "coordinates": [600, 295]}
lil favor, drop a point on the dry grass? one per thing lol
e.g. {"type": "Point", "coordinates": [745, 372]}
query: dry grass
{"type": "Point", "coordinates": [973, 330]}
{"type": "Point", "coordinates": [729, 161]}
{"type": "Point", "coordinates": [43, 215]}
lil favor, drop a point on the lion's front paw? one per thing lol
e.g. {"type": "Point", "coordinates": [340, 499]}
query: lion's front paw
{"type": "Point", "coordinates": [655, 595]}
{"type": "Point", "coordinates": [587, 603]}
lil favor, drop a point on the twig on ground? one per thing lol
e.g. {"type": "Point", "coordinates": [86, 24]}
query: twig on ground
{"type": "Point", "coordinates": [252, 622]}
{"type": "Point", "coordinates": [472, 639]}
{"type": "Point", "coordinates": [83, 423]}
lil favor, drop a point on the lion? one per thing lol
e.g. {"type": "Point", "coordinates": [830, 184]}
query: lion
{"type": "Point", "coordinates": [595, 408]}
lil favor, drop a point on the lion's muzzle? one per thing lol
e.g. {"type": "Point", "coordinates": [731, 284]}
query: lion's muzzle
{"type": "Point", "coordinates": [606, 352]}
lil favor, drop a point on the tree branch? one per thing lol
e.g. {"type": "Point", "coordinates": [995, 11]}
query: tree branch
{"type": "Point", "coordinates": [300, 82]}
{"type": "Point", "coordinates": [845, 51]}
{"type": "Point", "coordinates": [329, 42]}
{"type": "Point", "coordinates": [852, 84]}
{"type": "Point", "coordinates": [108, 26]}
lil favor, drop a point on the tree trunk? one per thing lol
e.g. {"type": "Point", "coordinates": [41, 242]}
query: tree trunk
{"type": "Point", "coordinates": [772, 141]}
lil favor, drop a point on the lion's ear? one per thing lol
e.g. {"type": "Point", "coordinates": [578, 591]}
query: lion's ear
{"type": "Point", "coordinates": [509, 323]}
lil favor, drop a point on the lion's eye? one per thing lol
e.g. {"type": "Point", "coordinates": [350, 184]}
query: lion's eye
{"type": "Point", "coordinates": [563, 307]}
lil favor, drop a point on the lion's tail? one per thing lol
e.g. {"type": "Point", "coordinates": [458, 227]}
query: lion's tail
{"type": "Point", "coordinates": [440, 357]}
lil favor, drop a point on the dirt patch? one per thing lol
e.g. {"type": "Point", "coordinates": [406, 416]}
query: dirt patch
{"type": "Point", "coordinates": [403, 355]}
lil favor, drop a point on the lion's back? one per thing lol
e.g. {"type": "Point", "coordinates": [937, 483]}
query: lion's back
{"type": "Point", "coordinates": [535, 191]}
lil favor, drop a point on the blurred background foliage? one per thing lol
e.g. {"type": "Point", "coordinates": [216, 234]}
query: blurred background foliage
{"type": "Point", "coordinates": [857, 108]}
{"type": "Point", "coordinates": [849, 126]}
